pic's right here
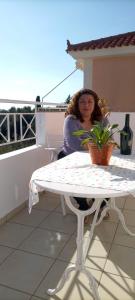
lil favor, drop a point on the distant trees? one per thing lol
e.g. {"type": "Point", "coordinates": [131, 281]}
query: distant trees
{"type": "Point", "coordinates": [13, 109]}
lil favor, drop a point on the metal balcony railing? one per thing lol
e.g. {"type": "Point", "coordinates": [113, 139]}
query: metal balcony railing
{"type": "Point", "coordinates": [18, 127]}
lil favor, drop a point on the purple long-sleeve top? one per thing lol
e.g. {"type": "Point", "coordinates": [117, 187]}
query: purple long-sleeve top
{"type": "Point", "coordinates": [71, 142]}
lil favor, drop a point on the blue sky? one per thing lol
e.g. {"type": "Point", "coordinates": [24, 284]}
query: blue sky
{"type": "Point", "coordinates": [33, 36]}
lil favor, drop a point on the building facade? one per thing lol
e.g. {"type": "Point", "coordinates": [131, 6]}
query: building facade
{"type": "Point", "coordinates": [108, 65]}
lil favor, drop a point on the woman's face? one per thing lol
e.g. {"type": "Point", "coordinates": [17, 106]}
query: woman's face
{"type": "Point", "coordinates": [86, 105]}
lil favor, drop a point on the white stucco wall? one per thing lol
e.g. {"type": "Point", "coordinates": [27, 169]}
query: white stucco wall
{"type": "Point", "coordinates": [49, 128]}
{"type": "Point", "coordinates": [15, 172]}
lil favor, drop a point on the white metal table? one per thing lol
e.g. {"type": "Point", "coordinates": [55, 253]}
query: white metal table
{"type": "Point", "coordinates": [75, 176]}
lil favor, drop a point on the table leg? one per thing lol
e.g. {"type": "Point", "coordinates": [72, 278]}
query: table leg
{"type": "Point", "coordinates": [121, 217]}
{"type": "Point", "coordinates": [62, 200]}
{"type": "Point", "coordinates": [60, 285]}
{"type": "Point", "coordinates": [80, 261]}
{"type": "Point", "coordinates": [97, 204]}
{"type": "Point", "coordinates": [111, 205]}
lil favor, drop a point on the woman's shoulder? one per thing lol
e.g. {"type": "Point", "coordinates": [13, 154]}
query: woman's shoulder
{"type": "Point", "coordinates": [70, 118]}
{"type": "Point", "coordinates": [71, 122]}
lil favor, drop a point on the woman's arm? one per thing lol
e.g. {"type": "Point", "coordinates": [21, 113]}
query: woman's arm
{"type": "Point", "coordinates": [70, 125]}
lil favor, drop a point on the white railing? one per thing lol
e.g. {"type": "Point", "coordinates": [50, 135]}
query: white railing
{"type": "Point", "coordinates": [18, 127]}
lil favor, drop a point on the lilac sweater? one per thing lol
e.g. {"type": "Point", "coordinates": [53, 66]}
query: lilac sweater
{"type": "Point", "coordinates": [73, 143]}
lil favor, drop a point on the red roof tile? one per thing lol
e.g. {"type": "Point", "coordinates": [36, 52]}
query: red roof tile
{"type": "Point", "coordinates": [124, 39]}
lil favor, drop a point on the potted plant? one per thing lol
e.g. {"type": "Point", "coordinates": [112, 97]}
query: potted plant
{"type": "Point", "coordinates": [100, 142]}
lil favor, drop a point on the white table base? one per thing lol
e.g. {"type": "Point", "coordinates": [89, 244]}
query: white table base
{"type": "Point", "coordinates": [112, 205]}
{"type": "Point", "coordinates": [81, 252]}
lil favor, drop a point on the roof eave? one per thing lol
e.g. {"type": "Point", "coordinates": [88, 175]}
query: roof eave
{"type": "Point", "coordinates": [96, 53]}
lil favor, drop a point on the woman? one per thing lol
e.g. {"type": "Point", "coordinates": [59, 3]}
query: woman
{"type": "Point", "coordinates": [82, 112]}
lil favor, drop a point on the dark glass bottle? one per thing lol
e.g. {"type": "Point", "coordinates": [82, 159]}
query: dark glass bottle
{"type": "Point", "coordinates": [126, 140]}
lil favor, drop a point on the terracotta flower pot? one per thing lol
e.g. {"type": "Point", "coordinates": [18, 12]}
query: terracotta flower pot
{"type": "Point", "coordinates": [101, 156]}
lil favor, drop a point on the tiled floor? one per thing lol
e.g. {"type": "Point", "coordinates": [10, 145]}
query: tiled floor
{"type": "Point", "coordinates": [35, 250]}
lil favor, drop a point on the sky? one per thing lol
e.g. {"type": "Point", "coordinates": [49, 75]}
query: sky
{"type": "Point", "coordinates": [33, 40]}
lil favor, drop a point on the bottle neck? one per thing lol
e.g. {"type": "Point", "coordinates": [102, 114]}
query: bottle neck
{"type": "Point", "coordinates": [127, 118]}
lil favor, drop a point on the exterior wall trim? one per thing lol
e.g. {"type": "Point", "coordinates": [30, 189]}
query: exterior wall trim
{"type": "Point", "coordinates": [117, 51]}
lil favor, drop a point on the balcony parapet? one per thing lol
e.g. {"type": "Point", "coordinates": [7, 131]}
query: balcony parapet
{"type": "Point", "coordinates": [16, 168]}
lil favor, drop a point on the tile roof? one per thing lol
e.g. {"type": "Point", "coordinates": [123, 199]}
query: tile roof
{"type": "Point", "coordinates": [124, 39]}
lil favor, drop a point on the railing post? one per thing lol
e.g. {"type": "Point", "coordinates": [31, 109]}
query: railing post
{"type": "Point", "coordinates": [15, 135]}
{"type": "Point", "coordinates": [21, 133]}
{"type": "Point", "coordinates": [8, 127]}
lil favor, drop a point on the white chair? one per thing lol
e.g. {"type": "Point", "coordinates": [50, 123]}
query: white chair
{"type": "Point", "coordinates": [54, 145]}
{"type": "Point", "coordinates": [45, 127]}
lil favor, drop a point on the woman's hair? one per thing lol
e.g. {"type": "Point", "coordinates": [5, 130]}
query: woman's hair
{"type": "Point", "coordinates": [73, 107]}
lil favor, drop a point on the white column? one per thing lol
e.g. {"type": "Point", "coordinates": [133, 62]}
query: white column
{"type": "Point", "coordinates": [88, 73]}
{"type": "Point", "coordinates": [41, 128]}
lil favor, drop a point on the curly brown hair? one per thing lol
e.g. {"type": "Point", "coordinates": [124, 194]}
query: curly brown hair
{"type": "Point", "coordinates": [73, 107]}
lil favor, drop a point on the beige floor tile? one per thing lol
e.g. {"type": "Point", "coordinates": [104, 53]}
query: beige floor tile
{"type": "Point", "coordinates": [46, 194]}
{"type": "Point", "coordinates": [68, 210]}
{"type": "Point", "coordinates": [77, 287]}
{"type": "Point", "coordinates": [56, 221]}
{"type": "Point", "coordinates": [45, 242]}
{"type": "Point", "coordinates": [13, 234]}
{"type": "Point", "coordinates": [33, 219]}
{"type": "Point", "coordinates": [122, 238]}
{"type": "Point", "coordinates": [96, 256]}
{"type": "Point", "coordinates": [59, 209]}
{"type": "Point", "coordinates": [68, 254]}
{"type": "Point", "coordinates": [120, 202]}
{"type": "Point", "coordinates": [4, 252]}
{"type": "Point", "coordinates": [113, 216]}
{"type": "Point", "coordinates": [9, 294]}
{"type": "Point", "coordinates": [130, 203]}
{"type": "Point", "coordinates": [114, 287]}
{"type": "Point", "coordinates": [121, 261]}
{"type": "Point", "coordinates": [129, 217]}
{"type": "Point", "coordinates": [48, 201]}
{"type": "Point", "coordinates": [24, 271]}
{"type": "Point", "coordinates": [104, 231]}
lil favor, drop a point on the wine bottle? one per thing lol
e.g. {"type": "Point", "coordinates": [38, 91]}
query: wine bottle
{"type": "Point", "coordinates": [127, 139]}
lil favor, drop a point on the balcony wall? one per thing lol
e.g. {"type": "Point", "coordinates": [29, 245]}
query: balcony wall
{"type": "Point", "coordinates": [15, 172]}
{"type": "Point", "coordinates": [50, 127]}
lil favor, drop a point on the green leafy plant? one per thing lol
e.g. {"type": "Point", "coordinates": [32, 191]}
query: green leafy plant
{"type": "Point", "coordinates": [99, 134]}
